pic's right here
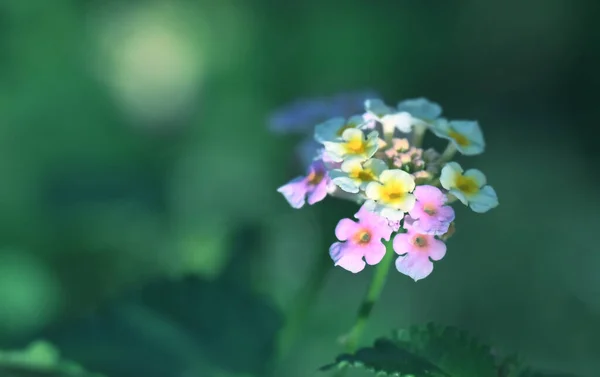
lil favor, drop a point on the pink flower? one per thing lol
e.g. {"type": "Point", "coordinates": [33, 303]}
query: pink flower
{"type": "Point", "coordinates": [417, 251]}
{"type": "Point", "coordinates": [360, 240]}
{"type": "Point", "coordinates": [311, 189]}
{"type": "Point", "coordinates": [430, 214]}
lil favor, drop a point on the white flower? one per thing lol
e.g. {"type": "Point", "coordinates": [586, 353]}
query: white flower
{"type": "Point", "coordinates": [333, 129]}
{"type": "Point", "coordinates": [469, 187]}
{"type": "Point", "coordinates": [352, 144]}
{"type": "Point", "coordinates": [421, 108]}
{"type": "Point", "coordinates": [465, 135]}
{"type": "Point", "coordinates": [354, 175]}
{"type": "Point", "coordinates": [389, 118]}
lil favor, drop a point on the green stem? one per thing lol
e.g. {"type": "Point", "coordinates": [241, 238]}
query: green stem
{"type": "Point", "coordinates": [418, 134]}
{"type": "Point", "coordinates": [371, 297]}
{"type": "Point", "coordinates": [449, 152]}
{"type": "Point", "coordinates": [303, 301]}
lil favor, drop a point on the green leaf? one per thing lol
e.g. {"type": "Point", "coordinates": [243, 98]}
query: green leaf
{"type": "Point", "coordinates": [424, 351]}
{"type": "Point", "coordinates": [39, 359]}
{"type": "Point", "coordinates": [385, 358]}
{"type": "Point", "coordinates": [452, 350]}
{"type": "Point", "coordinates": [528, 372]}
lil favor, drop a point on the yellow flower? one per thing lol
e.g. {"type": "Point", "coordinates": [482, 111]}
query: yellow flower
{"type": "Point", "coordinates": [391, 197]}
{"type": "Point", "coordinates": [352, 145]}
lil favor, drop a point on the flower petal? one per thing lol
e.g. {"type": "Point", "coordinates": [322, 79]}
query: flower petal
{"type": "Point", "coordinates": [347, 257]}
{"type": "Point", "coordinates": [295, 192]}
{"type": "Point", "coordinates": [345, 229]}
{"type": "Point", "coordinates": [484, 200]}
{"type": "Point", "coordinates": [416, 266]}
{"type": "Point", "coordinates": [450, 172]}
{"type": "Point", "coordinates": [374, 252]}
{"type": "Point", "coordinates": [437, 249]}
{"type": "Point", "coordinates": [477, 176]}
{"type": "Point", "coordinates": [373, 190]}
{"type": "Point", "coordinates": [377, 107]}
{"type": "Point", "coordinates": [318, 192]}
{"type": "Point", "coordinates": [327, 131]}
{"type": "Point", "coordinates": [430, 194]}
{"type": "Point", "coordinates": [402, 243]}
{"type": "Point", "coordinates": [421, 108]}
{"type": "Point", "coordinates": [346, 184]}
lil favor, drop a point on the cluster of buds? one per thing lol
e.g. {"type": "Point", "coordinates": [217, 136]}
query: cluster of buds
{"type": "Point", "coordinates": [405, 192]}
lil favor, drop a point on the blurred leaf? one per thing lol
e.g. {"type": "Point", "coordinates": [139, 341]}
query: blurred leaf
{"type": "Point", "coordinates": [39, 359]}
{"type": "Point", "coordinates": [187, 327]}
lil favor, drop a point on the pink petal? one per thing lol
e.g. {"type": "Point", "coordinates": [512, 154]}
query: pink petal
{"type": "Point", "coordinates": [318, 192]}
{"type": "Point", "coordinates": [402, 243]}
{"type": "Point", "coordinates": [295, 192]}
{"type": "Point", "coordinates": [374, 252]}
{"type": "Point", "coordinates": [430, 194]}
{"type": "Point", "coordinates": [416, 266]}
{"type": "Point", "coordinates": [436, 249]}
{"type": "Point", "coordinates": [345, 229]}
{"type": "Point", "coordinates": [347, 257]}
{"type": "Point", "coordinates": [446, 214]}
{"type": "Point", "coordinates": [417, 212]}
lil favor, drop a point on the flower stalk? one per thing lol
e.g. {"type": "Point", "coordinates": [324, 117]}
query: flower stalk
{"type": "Point", "coordinates": [374, 290]}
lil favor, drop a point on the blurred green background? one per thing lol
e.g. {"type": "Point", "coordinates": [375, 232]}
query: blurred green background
{"type": "Point", "coordinates": [135, 150]}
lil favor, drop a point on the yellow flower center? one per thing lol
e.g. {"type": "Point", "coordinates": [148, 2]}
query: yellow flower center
{"type": "Point", "coordinates": [315, 177]}
{"type": "Point", "coordinates": [467, 185]}
{"type": "Point", "coordinates": [420, 241]}
{"type": "Point", "coordinates": [362, 237]}
{"type": "Point", "coordinates": [344, 128]}
{"type": "Point", "coordinates": [459, 138]}
{"type": "Point", "coordinates": [392, 192]}
{"type": "Point", "coordinates": [355, 146]}
{"type": "Point", "coordinates": [362, 175]}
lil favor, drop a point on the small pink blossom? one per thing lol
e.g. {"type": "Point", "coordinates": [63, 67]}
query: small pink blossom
{"type": "Point", "coordinates": [430, 213]}
{"type": "Point", "coordinates": [417, 251]}
{"type": "Point", "coordinates": [311, 189]}
{"type": "Point", "coordinates": [360, 240]}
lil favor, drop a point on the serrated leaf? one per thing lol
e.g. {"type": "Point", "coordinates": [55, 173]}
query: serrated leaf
{"type": "Point", "coordinates": [452, 350]}
{"type": "Point", "coordinates": [385, 358]}
{"type": "Point", "coordinates": [39, 359]}
{"type": "Point", "coordinates": [528, 372]}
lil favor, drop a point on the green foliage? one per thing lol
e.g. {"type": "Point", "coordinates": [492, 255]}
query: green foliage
{"type": "Point", "coordinates": [434, 351]}
{"type": "Point", "coordinates": [452, 350]}
{"type": "Point", "coordinates": [39, 359]}
{"type": "Point", "coordinates": [174, 327]}
{"type": "Point", "coordinates": [424, 351]}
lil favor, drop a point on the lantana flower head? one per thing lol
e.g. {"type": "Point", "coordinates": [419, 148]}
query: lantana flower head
{"type": "Point", "coordinates": [312, 188]}
{"type": "Point", "coordinates": [360, 241]}
{"type": "Point", "coordinates": [431, 214]}
{"type": "Point", "coordinates": [398, 183]}
{"type": "Point", "coordinates": [352, 144]}
{"type": "Point", "coordinates": [466, 136]}
{"type": "Point", "coordinates": [417, 251]}
{"type": "Point", "coordinates": [469, 187]}
{"type": "Point", "coordinates": [354, 174]}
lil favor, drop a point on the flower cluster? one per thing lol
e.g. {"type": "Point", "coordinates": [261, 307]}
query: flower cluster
{"type": "Point", "coordinates": [376, 160]}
